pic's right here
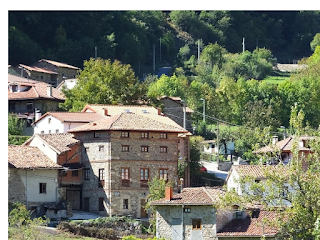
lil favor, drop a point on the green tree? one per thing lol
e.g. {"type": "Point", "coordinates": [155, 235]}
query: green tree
{"type": "Point", "coordinates": [315, 42]}
{"type": "Point", "coordinates": [15, 125]}
{"type": "Point", "coordinates": [103, 82]}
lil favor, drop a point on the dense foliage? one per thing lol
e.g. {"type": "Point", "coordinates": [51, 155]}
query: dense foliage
{"type": "Point", "coordinates": [71, 36]}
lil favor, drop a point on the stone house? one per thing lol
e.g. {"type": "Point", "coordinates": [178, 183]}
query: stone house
{"type": "Point", "coordinates": [24, 96]}
{"type": "Point", "coordinates": [173, 108]}
{"type": "Point", "coordinates": [65, 150]}
{"type": "Point", "coordinates": [32, 177]}
{"type": "Point", "coordinates": [121, 153]}
{"type": "Point", "coordinates": [61, 122]}
{"type": "Point", "coordinates": [283, 150]}
{"type": "Point", "coordinates": [48, 71]}
{"type": "Point", "coordinates": [192, 215]}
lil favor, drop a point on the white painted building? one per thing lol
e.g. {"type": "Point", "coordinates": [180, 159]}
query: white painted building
{"type": "Point", "coordinates": [62, 122]}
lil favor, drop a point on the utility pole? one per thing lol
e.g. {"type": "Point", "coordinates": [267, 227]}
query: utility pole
{"type": "Point", "coordinates": [204, 109]}
{"type": "Point", "coordinates": [218, 147]}
{"type": "Point", "coordinates": [95, 52]}
{"type": "Point", "coordinates": [154, 57]}
{"type": "Point", "coordinates": [160, 49]}
{"type": "Point", "coordinates": [243, 45]}
{"type": "Point", "coordinates": [184, 114]}
{"type": "Point", "coordinates": [198, 50]}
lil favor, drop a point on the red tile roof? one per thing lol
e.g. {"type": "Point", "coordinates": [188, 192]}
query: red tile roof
{"type": "Point", "coordinates": [59, 64]}
{"type": "Point", "coordinates": [60, 142]}
{"type": "Point", "coordinates": [256, 226]}
{"type": "Point", "coordinates": [80, 117]}
{"type": "Point", "coordinates": [37, 69]}
{"type": "Point", "coordinates": [27, 157]}
{"type": "Point", "coordinates": [16, 79]}
{"type": "Point", "coordinates": [193, 196]}
{"type": "Point", "coordinates": [129, 121]}
{"type": "Point", "coordinates": [36, 91]}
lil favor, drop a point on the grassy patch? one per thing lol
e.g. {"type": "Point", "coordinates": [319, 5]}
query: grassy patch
{"type": "Point", "coordinates": [277, 77]}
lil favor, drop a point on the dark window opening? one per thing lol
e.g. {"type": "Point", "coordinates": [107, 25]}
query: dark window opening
{"type": "Point", "coordinates": [75, 173]}
{"type": "Point", "coordinates": [101, 204]}
{"type": "Point", "coordinates": [196, 224]}
{"type": "Point", "coordinates": [43, 187]}
{"type": "Point", "coordinates": [125, 204]}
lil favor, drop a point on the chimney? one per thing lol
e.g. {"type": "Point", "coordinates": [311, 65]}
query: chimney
{"type": "Point", "coordinates": [105, 111]}
{"type": "Point", "coordinates": [49, 90]}
{"type": "Point", "coordinates": [168, 193]}
{"type": "Point", "coordinates": [274, 139]}
{"type": "Point", "coordinates": [159, 111]}
{"type": "Point", "coordinates": [37, 114]}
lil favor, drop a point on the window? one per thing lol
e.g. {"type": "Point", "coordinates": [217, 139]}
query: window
{"type": "Point", "coordinates": [124, 134]}
{"type": "Point", "coordinates": [42, 132]}
{"type": "Point", "coordinates": [57, 130]}
{"type": "Point", "coordinates": [144, 135]}
{"type": "Point", "coordinates": [101, 178]}
{"type": "Point", "coordinates": [87, 174]}
{"type": "Point", "coordinates": [14, 88]}
{"type": "Point", "coordinates": [257, 180]}
{"type": "Point", "coordinates": [163, 135]}
{"type": "Point", "coordinates": [101, 148]}
{"type": "Point", "coordinates": [75, 173]}
{"type": "Point", "coordinates": [101, 204]}
{"type": "Point", "coordinates": [96, 134]}
{"type": "Point", "coordinates": [49, 120]}
{"type": "Point", "coordinates": [63, 173]}
{"type": "Point", "coordinates": [29, 106]}
{"type": "Point", "coordinates": [144, 149]}
{"type": "Point", "coordinates": [12, 107]}
{"type": "Point", "coordinates": [196, 224]}
{"type": "Point", "coordinates": [42, 188]}
{"type": "Point", "coordinates": [125, 177]}
{"type": "Point", "coordinates": [49, 131]}
{"type": "Point", "coordinates": [144, 176]}
{"type": "Point", "coordinates": [163, 149]}
{"type": "Point", "coordinates": [125, 148]}
{"type": "Point", "coordinates": [187, 210]}
{"type": "Point", "coordinates": [163, 174]}
{"type": "Point", "coordinates": [125, 204]}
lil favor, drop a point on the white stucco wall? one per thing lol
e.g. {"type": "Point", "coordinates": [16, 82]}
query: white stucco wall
{"type": "Point", "coordinates": [32, 179]}
{"type": "Point", "coordinates": [68, 126]}
{"type": "Point", "coordinates": [233, 182]}
{"type": "Point", "coordinates": [53, 126]}
{"type": "Point", "coordinates": [45, 148]}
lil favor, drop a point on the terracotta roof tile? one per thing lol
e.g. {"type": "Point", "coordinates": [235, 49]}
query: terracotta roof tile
{"type": "Point", "coordinates": [250, 227]}
{"type": "Point", "coordinates": [59, 141]}
{"type": "Point", "coordinates": [17, 79]}
{"type": "Point", "coordinates": [35, 91]}
{"type": "Point", "coordinates": [27, 157]}
{"type": "Point", "coordinates": [81, 117]}
{"type": "Point", "coordinates": [193, 196]}
{"type": "Point", "coordinates": [129, 121]}
{"type": "Point", "coordinates": [256, 171]}
{"type": "Point", "coordinates": [59, 64]}
{"type": "Point", "coordinates": [37, 69]}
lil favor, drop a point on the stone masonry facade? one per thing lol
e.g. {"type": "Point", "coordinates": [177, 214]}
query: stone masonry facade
{"type": "Point", "coordinates": [205, 215]}
{"type": "Point", "coordinates": [107, 153]}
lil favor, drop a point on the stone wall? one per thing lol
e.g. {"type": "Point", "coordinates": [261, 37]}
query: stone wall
{"type": "Point", "coordinates": [207, 215]}
{"type": "Point", "coordinates": [16, 188]}
{"type": "Point", "coordinates": [105, 152]}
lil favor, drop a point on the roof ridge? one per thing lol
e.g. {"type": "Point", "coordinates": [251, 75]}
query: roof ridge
{"type": "Point", "coordinates": [118, 116]}
{"type": "Point", "coordinates": [206, 191]}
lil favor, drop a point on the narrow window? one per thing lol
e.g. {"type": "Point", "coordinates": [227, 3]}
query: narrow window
{"type": "Point", "coordinates": [125, 177]}
{"type": "Point", "coordinates": [101, 148]}
{"type": "Point", "coordinates": [124, 134]}
{"type": "Point", "coordinates": [42, 132]}
{"type": "Point", "coordinates": [101, 204]}
{"type": "Point", "coordinates": [125, 148]}
{"type": "Point", "coordinates": [75, 173]}
{"type": "Point", "coordinates": [87, 174]}
{"type": "Point", "coordinates": [144, 149]}
{"type": "Point", "coordinates": [187, 210]}
{"type": "Point", "coordinates": [144, 135]}
{"type": "Point", "coordinates": [63, 173]}
{"type": "Point", "coordinates": [49, 131]}
{"type": "Point", "coordinates": [144, 176]}
{"type": "Point", "coordinates": [163, 174]}
{"type": "Point", "coordinates": [42, 188]}
{"type": "Point", "coordinates": [163, 135]}
{"type": "Point", "coordinates": [125, 204]}
{"type": "Point", "coordinates": [14, 88]}
{"type": "Point", "coordinates": [96, 134]}
{"type": "Point", "coordinates": [57, 130]}
{"type": "Point", "coordinates": [163, 149]}
{"type": "Point", "coordinates": [49, 120]}
{"type": "Point", "coordinates": [196, 224]}
{"type": "Point", "coordinates": [101, 178]}
{"type": "Point", "coordinates": [29, 106]}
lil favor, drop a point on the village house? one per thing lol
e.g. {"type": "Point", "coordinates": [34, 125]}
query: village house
{"type": "Point", "coordinates": [193, 214]}
{"type": "Point", "coordinates": [173, 107]}
{"type": "Point", "coordinates": [65, 150]}
{"type": "Point", "coordinates": [25, 96]}
{"type": "Point", "coordinates": [32, 177]}
{"type": "Point", "coordinates": [48, 71]}
{"type": "Point", "coordinates": [121, 153]}
{"type": "Point", "coordinates": [283, 150]}
{"type": "Point", "coordinates": [62, 122]}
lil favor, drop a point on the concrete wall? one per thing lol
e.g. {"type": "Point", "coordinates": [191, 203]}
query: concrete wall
{"type": "Point", "coordinates": [207, 215]}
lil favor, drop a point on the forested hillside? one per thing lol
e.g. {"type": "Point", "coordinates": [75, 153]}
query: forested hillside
{"type": "Point", "coordinates": [129, 36]}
